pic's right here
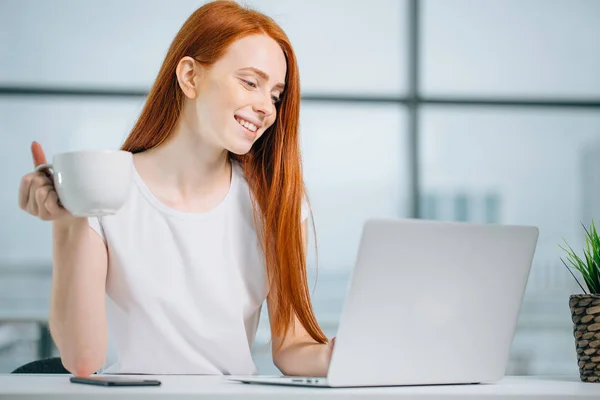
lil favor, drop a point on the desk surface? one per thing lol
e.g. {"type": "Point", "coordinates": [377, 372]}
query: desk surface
{"type": "Point", "coordinates": [187, 387]}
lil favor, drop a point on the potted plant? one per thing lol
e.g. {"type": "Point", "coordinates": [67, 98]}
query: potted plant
{"type": "Point", "coordinates": [585, 308]}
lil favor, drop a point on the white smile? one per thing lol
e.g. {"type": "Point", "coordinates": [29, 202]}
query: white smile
{"type": "Point", "coordinates": [248, 125]}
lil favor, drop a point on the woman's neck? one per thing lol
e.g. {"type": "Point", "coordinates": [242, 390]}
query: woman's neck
{"type": "Point", "coordinates": [186, 167]}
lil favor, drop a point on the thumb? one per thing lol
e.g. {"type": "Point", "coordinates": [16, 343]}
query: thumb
{"type": "Point", "coordinates": [38, 154]}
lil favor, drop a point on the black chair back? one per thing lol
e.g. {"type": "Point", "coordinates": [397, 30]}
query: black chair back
{"type": "Point", "coordinates": [45, 366]}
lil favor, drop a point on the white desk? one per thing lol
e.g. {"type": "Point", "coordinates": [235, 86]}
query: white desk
{"type": "Point", "coordinates": [199, 387]}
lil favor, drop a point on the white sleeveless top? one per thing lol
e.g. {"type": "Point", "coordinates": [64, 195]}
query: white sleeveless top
{"type": "Point", "coordinates": [184, 290]}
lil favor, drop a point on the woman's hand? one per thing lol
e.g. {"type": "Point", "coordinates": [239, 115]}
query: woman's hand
{"type": "Point", "coordinates": [329, 350]}
{"type": "Point", "coordinates": [37, 195]}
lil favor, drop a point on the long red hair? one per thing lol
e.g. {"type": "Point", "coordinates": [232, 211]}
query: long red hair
{"type": "Point", "coordinates": [273, 165]}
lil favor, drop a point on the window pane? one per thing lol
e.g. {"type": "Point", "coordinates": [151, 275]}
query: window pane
{"type": "Point", "coordinates": [354, 162]}
{"type": "Point", "coordinates": [341, 46]}
{"type": "Point", "coordinates": [348, 47]}
{"type": "Point", "coordinates": [511, 48]}
{"type": "Point", "coordinates": [515, 166]}
{"type": "Point", "coordinates": [59, 124]}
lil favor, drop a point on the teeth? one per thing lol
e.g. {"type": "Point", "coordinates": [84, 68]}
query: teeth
{"type": "Point", "coordinates": [247, 124]}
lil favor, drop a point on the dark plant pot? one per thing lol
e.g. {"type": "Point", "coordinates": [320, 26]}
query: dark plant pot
{"type": "Point", "coordinates": [585, 313]}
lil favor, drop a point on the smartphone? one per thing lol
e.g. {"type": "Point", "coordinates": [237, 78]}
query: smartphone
{"type": "Point", "coordinates": [115, 381]}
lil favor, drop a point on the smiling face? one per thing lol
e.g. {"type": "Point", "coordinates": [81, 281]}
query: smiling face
{"type": "Point", "coordinates": [232, 103]}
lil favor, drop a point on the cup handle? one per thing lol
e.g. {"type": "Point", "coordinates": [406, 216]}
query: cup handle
{"type": "Point", "coordinates": [47, 169]}
{"type": "Point", "coordinates": [44, 168]}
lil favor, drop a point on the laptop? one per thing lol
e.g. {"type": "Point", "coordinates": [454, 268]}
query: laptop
{"type": "Point", "coordinates": [428, 303]}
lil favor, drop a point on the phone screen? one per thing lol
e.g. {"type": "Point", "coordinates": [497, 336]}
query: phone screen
{"type": "Point", "coordinates": [115, 381]}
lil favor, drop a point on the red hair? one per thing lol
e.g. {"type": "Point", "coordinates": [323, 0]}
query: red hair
{"type": "Point", "coordinates": [273, 165]}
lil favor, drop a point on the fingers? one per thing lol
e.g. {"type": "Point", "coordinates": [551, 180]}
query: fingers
{"type": "Point", "coordinates": [37, 194]}
{"type": "Point", "coordinates": [52, 204]}
{"type": "Point", "coordinates": [31, 202]}
{"type": "Point", "coordinates": [38, 154]}
{"type": "Point", "coordinates": [38, 197]}
{"type": "Point", "coordinates": [39, 158]}
{"type": "Point", "coordinates": [46, 209]}
{"type": "Point", "coordinates": [36, 188]}
{"type": "Point", "coordinates": [24, 191]}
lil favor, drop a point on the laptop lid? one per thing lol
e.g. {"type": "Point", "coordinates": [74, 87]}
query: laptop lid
{"type": "Point", "coordinates": [432, 302]}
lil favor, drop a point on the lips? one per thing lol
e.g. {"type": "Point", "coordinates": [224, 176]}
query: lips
{"type": "Point", "coordinates": [250, 130]}
{"type": "Point", "coordinates": [248, 122]}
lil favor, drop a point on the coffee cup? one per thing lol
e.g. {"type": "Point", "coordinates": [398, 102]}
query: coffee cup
{"type": "Point", "coordinates": [91, 183]}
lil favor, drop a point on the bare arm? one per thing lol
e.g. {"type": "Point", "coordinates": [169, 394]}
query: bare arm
{"type": "Point", "coordinates": [300, 354]}
{"type": "Point", "coordinates": [80, 260]}
{"type": "Point", "coordinates": [77, 303]}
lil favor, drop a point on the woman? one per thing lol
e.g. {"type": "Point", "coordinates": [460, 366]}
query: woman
{"type": "Point", "coordinates": [215, 222]}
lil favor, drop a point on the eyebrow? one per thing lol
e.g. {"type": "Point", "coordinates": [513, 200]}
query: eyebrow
{"type": "Point", "coordinates": [263, 75]}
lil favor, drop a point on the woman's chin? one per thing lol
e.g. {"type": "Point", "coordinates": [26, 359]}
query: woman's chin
{"type": "Point", "coordinates": [240, 144]}
{"type": "Point", "coordinates": [240, 148]}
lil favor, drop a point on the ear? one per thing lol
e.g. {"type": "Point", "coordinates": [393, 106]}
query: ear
{"type": "Point", "coordinates": [187, 71]}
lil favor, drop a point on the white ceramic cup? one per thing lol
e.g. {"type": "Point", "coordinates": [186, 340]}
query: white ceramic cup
{"type": "Point", "coordinates": [91, 183]}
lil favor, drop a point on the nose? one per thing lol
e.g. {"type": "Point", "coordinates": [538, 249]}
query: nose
{"type": "Point", "coordinates": [264, 105]}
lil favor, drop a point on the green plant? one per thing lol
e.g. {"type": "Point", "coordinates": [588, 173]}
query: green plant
{"type": "Point", "coordinates": [590, 266]}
